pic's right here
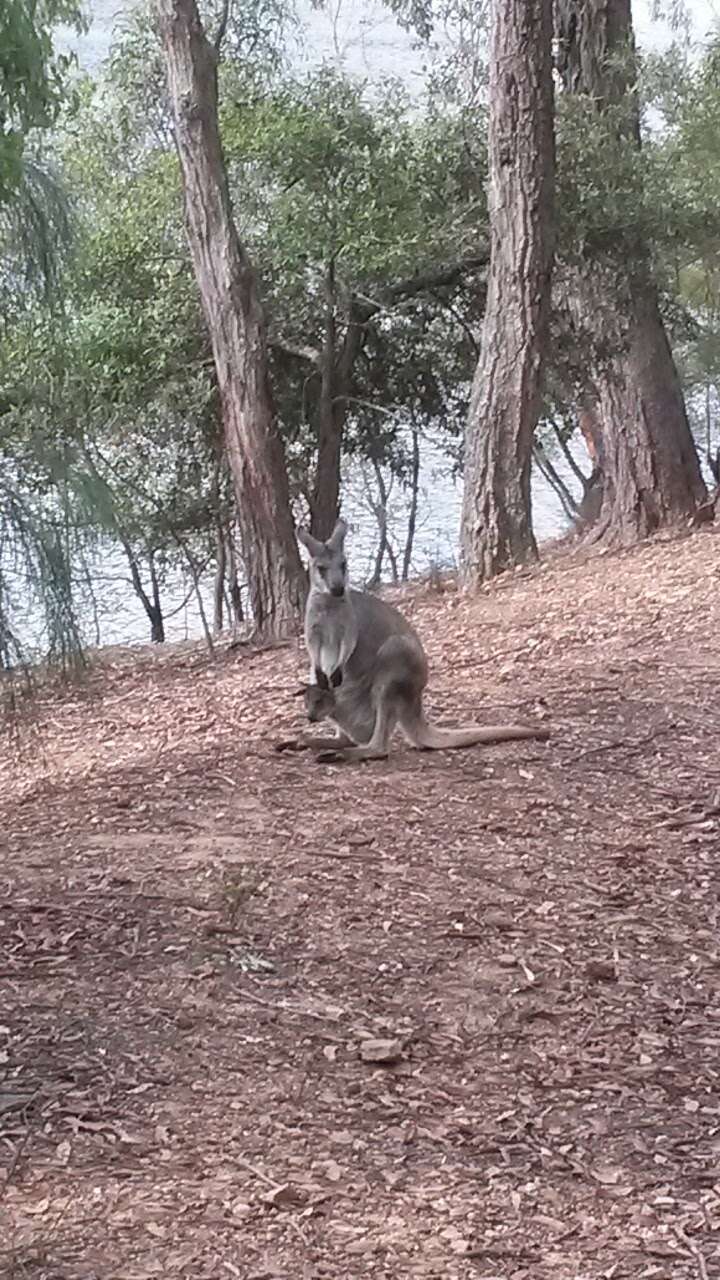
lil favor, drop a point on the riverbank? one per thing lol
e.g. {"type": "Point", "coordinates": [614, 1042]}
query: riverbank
{"type": "Point", "coordinates": [451, 1015]}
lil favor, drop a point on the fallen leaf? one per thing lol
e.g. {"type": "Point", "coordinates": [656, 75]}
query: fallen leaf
{"type": "Point", "coordinates": [40, 1206]}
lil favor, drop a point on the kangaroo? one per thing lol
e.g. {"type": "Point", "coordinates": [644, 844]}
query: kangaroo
{"type": "Point", "coordinates": [368, 669]}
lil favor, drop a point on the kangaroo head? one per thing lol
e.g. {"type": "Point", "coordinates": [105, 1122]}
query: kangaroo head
{"type": "Point", "coordinates": [319, 702]}
{"type": "Point", "coordinates": [328, 566]}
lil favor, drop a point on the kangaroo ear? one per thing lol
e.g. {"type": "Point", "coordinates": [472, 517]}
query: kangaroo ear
{"type": "Point", "coordinates": [337, 537]}
{"type": "Point", "coordinates": [312, 546]}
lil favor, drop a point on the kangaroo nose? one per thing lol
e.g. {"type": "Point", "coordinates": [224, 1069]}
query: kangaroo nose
{"type": "Point", "coordinates": [337, 590]}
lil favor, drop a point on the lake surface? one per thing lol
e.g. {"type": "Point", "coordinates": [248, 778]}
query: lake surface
{"type": "Point", "coordinates": [112, 614]}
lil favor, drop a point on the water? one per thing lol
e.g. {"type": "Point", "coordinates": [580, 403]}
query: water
{"type": "Point", "coordinates": [110, 612]}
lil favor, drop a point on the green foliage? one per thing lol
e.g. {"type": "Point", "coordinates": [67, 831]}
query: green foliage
{"type": "Point", "coordinates": [330, 168]}
{"type": "Point", "coordinates": [33, 77]}
{"type": "Point", "coordinates": [35, 233]}
{"type": "Point", "coordinates": [346, 192]}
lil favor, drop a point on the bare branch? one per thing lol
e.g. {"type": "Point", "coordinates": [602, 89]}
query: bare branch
{"type": "Point", "coordinates": [298, 350]}
{"type": "Point", "coordinates": [224, 19]}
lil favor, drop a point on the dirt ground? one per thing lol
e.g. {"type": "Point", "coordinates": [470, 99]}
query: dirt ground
{"type": "Point", "coordinates": [452, 1015]}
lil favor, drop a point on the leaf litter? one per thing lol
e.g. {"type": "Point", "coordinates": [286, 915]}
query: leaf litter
{"type": "Point", "coordinates": [452, 1015]}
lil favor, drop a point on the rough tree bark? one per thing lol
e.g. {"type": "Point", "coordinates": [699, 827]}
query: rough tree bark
{"type": "Point", "coordinates": [649, 473]}
{"type": "Point", "coordinates": [236, 325]}
{"type": "Point", "coordinates": [496, 529]}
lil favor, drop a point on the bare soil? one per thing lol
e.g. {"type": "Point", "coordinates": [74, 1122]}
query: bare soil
{"type": "Point", "coordinates": [452, 1015]}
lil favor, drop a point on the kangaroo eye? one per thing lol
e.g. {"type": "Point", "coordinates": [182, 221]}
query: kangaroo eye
{"type": "Point", "coordinates": [322, 570]}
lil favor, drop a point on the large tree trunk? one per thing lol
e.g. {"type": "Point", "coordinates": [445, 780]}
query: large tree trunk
{"type": "Point", "coordinates": [650, 474]}
{"type": "Point", "coordinates": [496, 529]}
{"type": "Point", "coordinates": [236, 325]}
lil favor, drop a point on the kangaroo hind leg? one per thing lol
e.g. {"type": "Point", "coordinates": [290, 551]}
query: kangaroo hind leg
{"type": "Point", "coordinates": [377, 748]}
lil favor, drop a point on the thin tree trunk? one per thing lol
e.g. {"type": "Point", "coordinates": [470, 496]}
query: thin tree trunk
{"type": "Point", "coordinates": [238, 614]}
{"type": "Point", "coordinates": [650, 470]}
{"type": "Point", "coordinates": [496, 528]}
{"type": "Point", "coordinates": [236, 325]}
{"type": "Point", "coordinates": [708, 425]}
{"type": "Point", "coordinates": [196, 578]}
{"type": "Point", "coordinates": [325, 504]}
{"type": "Point", "coordinates": [591, 431]}
{"type": "Point", "coordinates": [379, 510]}
{"type": "Point", "coordinates": [336, 369]}
{"type": "Point", "coordinates": [412, 514]}
{"type": "Point", "coordinates": [219, 583]}
{"type": "Point", "coordinates": [393, 561]}
{"type": "Point", "coordinates": [93, 603]}
{"type": "Point", "coordinates": [157, 622]}
{"type": "Point", "coordinates": [568, 456]}
{"type": "Point", "coordinates": [555, 480]}
{"type": "Point", "coordinates": [153, 608]}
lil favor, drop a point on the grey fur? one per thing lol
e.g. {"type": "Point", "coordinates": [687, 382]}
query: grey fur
{"type": "Point", "coordinates": [368, 669]}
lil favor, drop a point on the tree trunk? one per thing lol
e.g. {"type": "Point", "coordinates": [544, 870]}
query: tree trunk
{"type": "Point", "coordinates": [552, 477]}
{"type": "Point", "coordinates": [238, 615]}
{"type": "Point", "coordinates": [236, 325]}
{"type": "Point", "coordinates": [153, 608]}
{"type": "Point", "coordinates": [157, 622]}
{"type": "Point", "coordinates": [219, 583]}
{"type": "Point", "coordinates": [336, 369]}
{"type": "Point", "coordinates": [496, 529]}
{"type": "Point", "coordinates": [412, 514]}
{"type": "Point", "coordinates": [649, 466]}
{"type": "Point", "coordinates": [325, 506]}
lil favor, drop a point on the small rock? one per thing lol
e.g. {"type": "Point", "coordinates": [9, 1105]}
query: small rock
{"type": "Point", "coordinates": [381, 1050]}
{"type": "Point", "coordinates": [284, 1195]}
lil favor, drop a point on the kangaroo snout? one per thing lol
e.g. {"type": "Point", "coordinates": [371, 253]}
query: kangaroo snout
{"type": "Point", "coordinates": [337, 589]}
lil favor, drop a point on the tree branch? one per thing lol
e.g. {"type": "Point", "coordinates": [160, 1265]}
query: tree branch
{"type": "Point", "coordinates": [222, 28]}
{"type": "Point", "coordinates": [449, 273]}
{"type": "Point", "coordinates": [297, 350]}
{"type": "Point", "coordinates": [363, 307]}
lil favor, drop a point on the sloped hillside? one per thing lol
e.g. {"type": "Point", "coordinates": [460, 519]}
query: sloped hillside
{"type": "Point", "coordinates": [451, 1015]}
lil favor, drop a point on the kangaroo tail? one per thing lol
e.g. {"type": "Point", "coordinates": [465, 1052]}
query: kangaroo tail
{"type": "Point", "coordinates": [430, 738]}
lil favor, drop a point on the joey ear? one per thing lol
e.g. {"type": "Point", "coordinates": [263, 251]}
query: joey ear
{"type": "Point", "coordinates": [311, 545]}
{"type": "Point", "coordinates": [337, 537]}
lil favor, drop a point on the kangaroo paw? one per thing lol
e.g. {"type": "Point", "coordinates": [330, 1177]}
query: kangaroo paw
{"type": "Point", "coordinates": [330, 757]}
{"type": "Point", "coordinates": [351, 755]}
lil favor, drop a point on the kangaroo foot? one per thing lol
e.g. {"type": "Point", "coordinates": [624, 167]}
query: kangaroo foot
{"type": "Point", "coordinates": [352, 755]}
{"type": "Point", "coordinates": [291, 744]}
